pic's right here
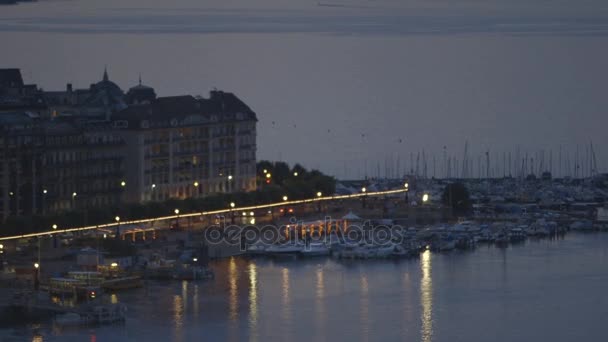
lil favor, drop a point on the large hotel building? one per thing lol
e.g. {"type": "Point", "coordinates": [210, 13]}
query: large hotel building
{"type": "Point", "coordinates": [94, 147]}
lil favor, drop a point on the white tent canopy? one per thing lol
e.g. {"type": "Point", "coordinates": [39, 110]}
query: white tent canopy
{"type": "Point", "coordinates": [351, 217]}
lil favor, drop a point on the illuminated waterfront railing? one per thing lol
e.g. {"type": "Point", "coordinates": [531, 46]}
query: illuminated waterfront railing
{"type": "Point", "coordinates": [205, 213]}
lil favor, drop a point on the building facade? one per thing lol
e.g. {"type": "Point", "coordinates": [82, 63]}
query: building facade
{"type": "Point", "coordinates": [49, 166]}
{"type": "Point", "coordinates": [185, 147]}
{"type": "Point", "coordinates": [98, 147]}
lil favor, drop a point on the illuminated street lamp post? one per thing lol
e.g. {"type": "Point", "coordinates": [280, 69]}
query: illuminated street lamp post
{"type": "Point", "coordinates": [36, 276]}
{"type": "Point", "coordinates": [176, 211]}
{"type": "Point", "coordinates": [319, 194]}
{"type": "Point", "coordinates": [407, 190]}
{"type": "Point", "coordinates": [194, 262]}
{"type": "Point", "coordinates": [44, 192]}
{"type": "Point", "coordinates": [74, 194]}
{"type": "Point", "coordinates": [196, 189]}
{"type": "Point", "coordinates": [364, 191]}
{"type": "Point", "coordinates": [425, 198]}
{"type": "Point", "coordinates": [232, 205]}
{"type": "Point", "coordinates": [117, 219]}
{"type": "Point", "coordinates": [54, 226]}
{"type": "Point", "coordinates": [1, 257]}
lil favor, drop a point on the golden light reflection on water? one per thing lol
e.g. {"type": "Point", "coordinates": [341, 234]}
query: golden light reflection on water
{"type": "Point", "coordinates": [286, 301]}
{"type": "Point", "coordinates": [185, 294]}
{"type": "Point", "coordinates": [37, 338]}
{"type": "Point", "coordinates": [178, 316]}
{"type": "Point", "coordinates": [364, 311]}
{"type": "Point", "coordinates": [114, 298]}
{"type": "Point", "coordinates": [320, 315]}
{"type": "Point", "coordinates": [253, 302]}
{"type": "Point", "coordinates": [426, 298]}
{"type": "Point", "coordinates": [233, 295]}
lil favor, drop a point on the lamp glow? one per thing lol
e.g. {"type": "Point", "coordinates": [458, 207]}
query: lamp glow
{"type": "Point", "coordinates": [425, 198]}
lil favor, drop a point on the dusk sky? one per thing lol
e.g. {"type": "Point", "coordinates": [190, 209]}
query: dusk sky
{"type": "Point", "coordinates": [336, 82]}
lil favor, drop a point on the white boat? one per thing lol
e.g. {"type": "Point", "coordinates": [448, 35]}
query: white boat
{"type": "Point", "coordinates": [374, 252]}
{"type": "Point", "coordinates": [400, 252]}
{"type": "Point", "coordinates": [315, 249]}
{"type": "Point", "coordinates": [283, 249]}
{"type": "Point", "coordinates": [384, 251]}
{"type": "Point", "coordinates": [257, 248]}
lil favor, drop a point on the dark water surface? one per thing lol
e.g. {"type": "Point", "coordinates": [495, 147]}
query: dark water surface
{"type": "Point", "coordinates": [547, 290]}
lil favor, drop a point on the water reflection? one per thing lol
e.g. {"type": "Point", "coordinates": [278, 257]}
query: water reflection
{"type": "Point", "coordinates": [426, 297]}
{"type": "Point", "coordinates": [407, 305]}
{"type": "Point", "coordinates": [233, 295]}
{"type": "Point", "coordinates": [185, 294]}
{"type": "Point", "coordinates": [364, 310]}
{"type": "Point", "coordinates": [286, 301]}
{"type": "Point", "coordinates": [114, 298]}
{"type": "Point", "coordinates": [195, 301]}
{"type": "Point", "coordinates": [178, 316]}
{"type": "Point", "coordinates": [320, 315]}
{"type": "Point", "coordinates": [253, 302]}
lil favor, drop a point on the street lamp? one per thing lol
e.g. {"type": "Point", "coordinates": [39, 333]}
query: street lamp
{"type": "Point", "coordinates": [176, 211]}
{"type": "Point", "coordinates": [284, 198]}
{"type": "Point", "coordinates": [295, 174]}
{"type": "Point", "coordinates": [117, 219]}
{"type": "Point", "coordinates": [232, 205]}
{"type": "Point", "coordinates": [74, 199]}
{"type": "Point", "coordinates": [407, 189]}
{"type": "Point", "coordinates": [196, 184]}
{"type": "Point", "coordinates": [319, 194]}
{"type": "Point", "coordinates": [229, 177]}
{"type": "Point", "coordinates": [54, 226]}
{"type": "Point", "coordinates": [123, 183]}
{"type": "Point", "coordinates": [36, 276]}
{"type": "Point", "coordinates": [363, 200]}
{"type": "Point", "coordinates": [44, 192]}
{"type": "Point", "coordinates": [425, 198]}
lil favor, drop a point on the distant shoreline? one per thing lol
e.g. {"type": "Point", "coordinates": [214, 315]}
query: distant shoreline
{"type": "Point", "coordinates": [14, 2]}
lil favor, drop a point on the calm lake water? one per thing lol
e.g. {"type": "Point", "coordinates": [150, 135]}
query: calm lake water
{"type": "Point", "coordinates": [546, 290]}
{"type": "Point", "coordinates": [346, 86]}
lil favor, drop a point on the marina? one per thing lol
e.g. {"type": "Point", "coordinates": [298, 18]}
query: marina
{"type": "Point", "coordinates": [270, 298]}
{"type": "Point", "coordinates": [270, 170]}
